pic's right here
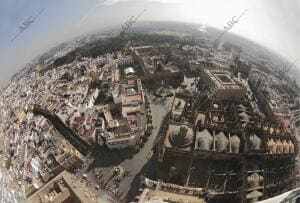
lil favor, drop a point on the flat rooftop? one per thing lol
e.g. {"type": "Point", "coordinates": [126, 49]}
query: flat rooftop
{"type": "Point", "coordinates": [62, 187]}
{"type": "Point", "coordinates": [159, 192]}
{"type": "Point", "coordinates": [222, 79]}
{"type": "Point", "coordinates": [155, 196]}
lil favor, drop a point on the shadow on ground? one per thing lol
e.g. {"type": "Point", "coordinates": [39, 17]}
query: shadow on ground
{"type": "Point", "coordinates": [149, 171]}
{"type": "Point", "coordinates": [104, 157]}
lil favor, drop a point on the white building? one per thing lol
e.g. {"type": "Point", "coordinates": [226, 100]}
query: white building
{"type": "Point", "coordinates": [36, 164]}
{"type": "Point", "coordinates": [120, 137]}
{"type": "Point", "coordinates": [125, 61]}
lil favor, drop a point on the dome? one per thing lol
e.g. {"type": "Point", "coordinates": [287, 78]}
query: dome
{"type": "Point", "coordinates": [285, 147]}
{"type": "Point", "coordinates": [254, 195]}
{"type": "Point", "coordinates": [272, 146]}
{"type": "Point", "coordinates": [235, 144]}
{"type": "Point", "coordinates": [180, 138]}
{"type": "Point", "coordinates": [271, 130]}
{"type": "Point", "coordinates": [221, 142]}
{"type": "Point", "coordinates": [204, 140]}
{"type": "Point", "coordinates": [278, 131]}
{"type": "Point", "coordinates": [255, 142]}
{"type": "Point", "coordinates": [254, 180]}
{"type": "Point", "coordinates": [129, 70]}
{"type": "Point", "coordinates": [291, 146]}
{"type": "Point", "coordinates": [279, 147]}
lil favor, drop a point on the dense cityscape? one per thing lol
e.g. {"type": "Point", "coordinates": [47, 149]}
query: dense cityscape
{"type": "Point", "coordinates": [158, 116]}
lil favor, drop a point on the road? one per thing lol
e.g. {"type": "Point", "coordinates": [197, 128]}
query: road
{"type": "Point", "coordinates": [137, 165]}
{"type": "Point", "coordinates": [142, 158]}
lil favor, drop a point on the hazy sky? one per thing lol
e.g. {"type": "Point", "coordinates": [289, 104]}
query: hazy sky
{"type": "Point", "coordinates": [272, 23]}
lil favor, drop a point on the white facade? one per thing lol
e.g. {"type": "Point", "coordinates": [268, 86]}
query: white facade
{"type": "Point", "coordinates": [121, 143]}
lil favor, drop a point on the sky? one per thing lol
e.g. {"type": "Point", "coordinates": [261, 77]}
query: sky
{"type": "Point", "coordinates": [271, 23]}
